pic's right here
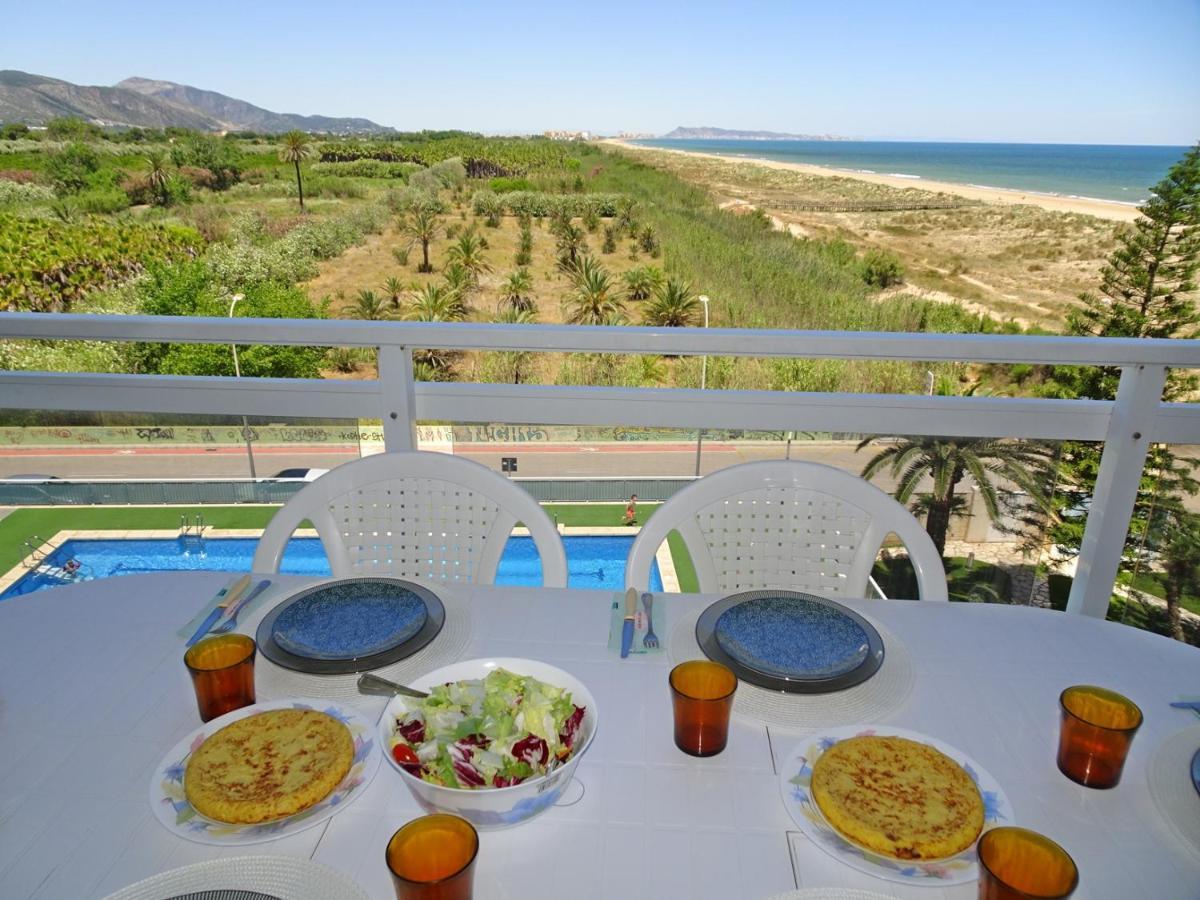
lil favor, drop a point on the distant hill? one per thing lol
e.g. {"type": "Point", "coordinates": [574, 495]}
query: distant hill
{"type": "Point", "coordinates": [144, 103]}
{"type": "Point", "coordinates": [34, 99]}
{"type": "Point", "coordinates": [238, 115]}
{"type": "Point", "coordinates": [725, 134]}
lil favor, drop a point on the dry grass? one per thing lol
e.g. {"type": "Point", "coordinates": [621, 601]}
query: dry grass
{"type": "Point", "coordinates": [370, 264]}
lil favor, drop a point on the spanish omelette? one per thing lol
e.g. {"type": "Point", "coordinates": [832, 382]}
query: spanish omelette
{"type": "Point", "coordinates": [897, 797]}
{"type": "Point", "coordinates": [267, 766]}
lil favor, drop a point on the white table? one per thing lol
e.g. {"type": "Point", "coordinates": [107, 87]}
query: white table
{"type": "Point", "coordinates": [93, 693]}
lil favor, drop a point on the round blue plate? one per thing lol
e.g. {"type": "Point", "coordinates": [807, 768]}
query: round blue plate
{"type": "Point", "coordinates": [350, 625]}
{"type": "Point", "coordinates": [789, 641]}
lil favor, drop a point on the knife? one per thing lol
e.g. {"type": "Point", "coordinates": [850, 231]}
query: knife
{"type": "Point", "coordinates": [225, 597]}
{"type": "Point", "coordinates": [631, 596]}
{"type": "Point", "coordinates": [245, 601]}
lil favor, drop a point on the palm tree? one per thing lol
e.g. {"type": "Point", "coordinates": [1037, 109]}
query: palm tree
{"type": "Point", "coordinates": [295, 150]}
{"type": "Point", "coordinates": [513, 365]}
{"type": "Point", "coordinates": [467, 251]}
{"type": "Point", "coordinates": [434, 303]}
{"type": "Point", "coordinates": [674, 306]}
{"type": "Point", "coordinates": [460, 283]}
{"type": "Point", "coordinates": [641, 281]}
{"type": "Point", "coordinates": [946, 461]}
{"type": "Point", "coordinates": [158, 176]}
{"type": "Point", "coordinates": [1181, 566]}
{"type": "Point", "coordinates": [572, 244]}
{"type": "Point", "coordinates": [393, 287]}
{"type": "Point", "coordinates": [421, 225]}
{"type": "Point", "coordinates": [594, 297]}
{"type": "Point", "coordinates": [516, 289]}
{"type": "Point", "coordinates": [368, 306]}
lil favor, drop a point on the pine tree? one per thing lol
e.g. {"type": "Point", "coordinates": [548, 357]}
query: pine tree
{"type": "Point", "coordinates": [1147, 290]}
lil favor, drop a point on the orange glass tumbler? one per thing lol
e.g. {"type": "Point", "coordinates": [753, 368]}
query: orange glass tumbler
{"type": "Point", "coordinates": [222, 669]}
{"type": "Point", "coordinates": [702, 695]}
{"type": "Point", "coordinates": [1018, 864]}
{"type": "Point", "coordinates": [1097, 728]}
{"type": "Point", "coordinates": [433, 858]}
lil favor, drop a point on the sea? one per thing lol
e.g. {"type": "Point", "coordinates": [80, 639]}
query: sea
{"type": "Point", "coordinates": [1098, 171]}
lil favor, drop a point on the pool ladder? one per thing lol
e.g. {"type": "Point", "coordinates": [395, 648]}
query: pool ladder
{"type": "Point", "coordinates": [191, 533]}
{"type": "Point", "coordinates": [35, 557]}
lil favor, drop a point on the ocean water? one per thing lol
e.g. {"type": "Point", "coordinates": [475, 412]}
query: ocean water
{"type": "Point", "coordinates": [1100, 171]}
{"type": "Point", "coordinates": [592, 562]}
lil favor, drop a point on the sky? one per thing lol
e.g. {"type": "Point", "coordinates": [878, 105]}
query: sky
{"type": "Point", "coordinates": [1053, 71]}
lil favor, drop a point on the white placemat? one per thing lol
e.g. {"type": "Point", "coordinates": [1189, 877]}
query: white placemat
{"type": "Point", "coordinates": [830, 893]}
{"type": "Point", "coordinates": [1171, 787]}
{"type": "Point", "coordinates": [275, 876]}
{"type": "Point", "coordinates": [870, 701]}
{"type": "Point", "coordinates": [273, 682]}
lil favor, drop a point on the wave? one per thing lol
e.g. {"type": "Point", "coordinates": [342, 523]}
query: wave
{"type": "Point", "coordinates": [902, 175]}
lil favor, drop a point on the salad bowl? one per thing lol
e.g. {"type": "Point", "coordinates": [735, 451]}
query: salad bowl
{"type": "Point", "coordinates": [488, 806]}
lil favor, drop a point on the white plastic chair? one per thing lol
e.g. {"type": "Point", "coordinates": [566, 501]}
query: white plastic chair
{"type": "Point", "coordinates": [414, 514]}
{"type": "Point", "coordinates": [792, 525]}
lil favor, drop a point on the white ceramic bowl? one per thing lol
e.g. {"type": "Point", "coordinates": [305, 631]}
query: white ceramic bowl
{"type": "Point", "coordinates": [489, 808]}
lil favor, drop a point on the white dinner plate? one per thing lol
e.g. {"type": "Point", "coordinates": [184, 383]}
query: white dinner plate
{"type": "Point", "coordinates": [172, 809]}
{"type": "Point", "coordinates": [795, 776]}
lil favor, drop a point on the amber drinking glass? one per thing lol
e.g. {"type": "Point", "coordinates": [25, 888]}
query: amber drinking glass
{"type": "Point", "coordinates": [222, 669]}
{"type": "Point", "coordinates": [702, 694]}
{"type": "Point", "coordinates": [1017, 864]}
{"type": "Point", "coordinates": [433, 858]}
{"type": "Point", "coordinates": [1097, 728]}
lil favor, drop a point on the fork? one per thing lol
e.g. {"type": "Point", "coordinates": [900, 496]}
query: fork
{"type": "Point", "coordinates": [230, 622]}
{"type": "Point", "coordinates": [650, 642]}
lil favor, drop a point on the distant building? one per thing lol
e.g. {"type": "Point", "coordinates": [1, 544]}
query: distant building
{"type": "Point", "coordinates": [567, 135]}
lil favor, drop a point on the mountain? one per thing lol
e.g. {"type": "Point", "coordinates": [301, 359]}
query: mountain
{"type": "Point", "coordinates": [33, 99]}
{"type": "Point", "coordinates": [238, 115]}
{"type": "Point", "coordinates": [724, 134]}
{"type": "Point", "coordinates": [145, 103]}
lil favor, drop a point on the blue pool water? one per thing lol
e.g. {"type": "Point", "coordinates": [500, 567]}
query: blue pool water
{"type": "Point", "coordinates": [592, 562]}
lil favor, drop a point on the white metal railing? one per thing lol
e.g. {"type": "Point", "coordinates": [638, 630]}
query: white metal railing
{"type": "Point", "coordinates": [1127, 425]}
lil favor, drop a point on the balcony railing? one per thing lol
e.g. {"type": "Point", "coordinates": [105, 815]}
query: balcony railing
{"type": "Point", "coordinates": [1127, 425]}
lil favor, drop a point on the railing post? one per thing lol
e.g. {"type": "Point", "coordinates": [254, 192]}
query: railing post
{"type": "Point", "coordinates": [399, 399]}
{"type": "Point", "coordinates": [1125, 446]}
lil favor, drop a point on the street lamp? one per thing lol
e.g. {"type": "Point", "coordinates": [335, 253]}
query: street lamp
{"type": "Point", "coordinates": [703, 381]}
{"type": "Point", "coordinates": [237, 373]}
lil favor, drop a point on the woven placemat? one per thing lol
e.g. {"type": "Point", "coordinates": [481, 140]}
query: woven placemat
{"type": "Point", "coordinates": [830, 893]}
{"type": "Point", "coordinates": [276, 876]}
{"type": "Point", "coordinates": [274, 682]}
{"type": "Point", "coordinates": [1171, 787]}
{"type": "Point", "coordinates": [879, 695]}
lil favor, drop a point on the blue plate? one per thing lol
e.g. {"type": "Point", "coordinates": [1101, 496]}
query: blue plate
{"type": "Point", "coordinates": [789, 641]}
{"type": "Point", "coordinates": [350, 625]}
{"type": "Point", "coordinates": [1196, 771]}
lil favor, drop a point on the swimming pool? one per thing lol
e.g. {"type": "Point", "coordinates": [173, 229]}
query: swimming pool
{"type": "Point", "coordinates": [592, 562]}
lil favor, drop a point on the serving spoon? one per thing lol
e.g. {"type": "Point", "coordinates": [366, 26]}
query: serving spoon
{"type": "Point", "coordinates": [370, 683]}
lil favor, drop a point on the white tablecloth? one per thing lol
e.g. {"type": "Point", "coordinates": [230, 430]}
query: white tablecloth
{"type": "Point", "coordinates": [93, 692]}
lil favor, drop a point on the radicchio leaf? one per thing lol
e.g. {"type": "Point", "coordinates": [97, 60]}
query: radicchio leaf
{"type": "Point", "coordinates": [412, 731]}
{"type": "Point", "coordinates": [571, 728]}
{"type": "Point", "coordinates": [532, 750]}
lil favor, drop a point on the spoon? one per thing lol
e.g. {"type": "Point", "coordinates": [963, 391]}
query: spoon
{"type": "Point", "coordinates": [370, 683]}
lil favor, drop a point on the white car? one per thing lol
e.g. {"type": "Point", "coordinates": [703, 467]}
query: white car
{"type": "Point", "coordinates": [301, 474]}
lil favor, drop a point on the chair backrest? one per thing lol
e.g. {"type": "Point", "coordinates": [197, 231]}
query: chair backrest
{"type": "Point", "coordinates": [793, 525]}
{"type": "Point", "coordinates": [415, 514]}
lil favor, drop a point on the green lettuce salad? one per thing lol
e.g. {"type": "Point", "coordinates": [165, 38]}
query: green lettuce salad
{"type": "Point", "coordinates": [493, 732]}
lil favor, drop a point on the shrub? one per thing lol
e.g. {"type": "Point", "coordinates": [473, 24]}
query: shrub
{"type": "Point", "coordinates": [881, 269]}
{"type": "Point", "coordinates": [71, 168]}
{"type": "Point", "coordinates": [19, 176]}
{"type": "Point", "coordinates": [400, 254]}
{"type": "Point", "coordinates": [508, 185]}
{"type": "Point", "coordinates": [450, 172]}
{"type": "Point", "coordinates": [367, 168]}
{"type": "Point", "coordinates": [14, 193]}
{"type": "Point", "coordinates": [425, 181]}
{"type": "Point", "coordinates": [103, 200]}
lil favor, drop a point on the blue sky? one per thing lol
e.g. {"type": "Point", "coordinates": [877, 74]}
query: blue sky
{"type": "Point", "coordinates": [1086, 72]}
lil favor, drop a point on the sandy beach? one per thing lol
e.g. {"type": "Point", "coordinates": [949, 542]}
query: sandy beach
{"type": "Point", "coordinates": [1103, 209]}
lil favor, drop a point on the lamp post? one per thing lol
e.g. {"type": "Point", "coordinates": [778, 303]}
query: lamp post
{"type": "Point", "coordinates": [703, 381]}
{"type": "Point", "coordinates": [237, 373]}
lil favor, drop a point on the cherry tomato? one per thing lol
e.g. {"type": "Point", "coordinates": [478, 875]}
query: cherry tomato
{"type": "Point", "coordinates": [405, 755]}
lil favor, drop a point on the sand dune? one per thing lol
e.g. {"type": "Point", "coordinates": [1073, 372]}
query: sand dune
{"type": "Point", "coordinates": [1104, 209]}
